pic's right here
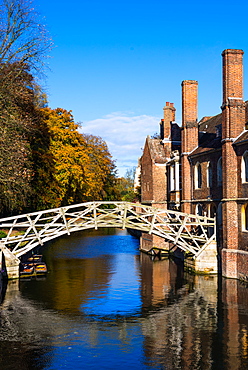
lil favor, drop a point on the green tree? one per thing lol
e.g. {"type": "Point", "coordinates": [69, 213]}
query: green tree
{"type": "Point", "coordinates": [126, 186]}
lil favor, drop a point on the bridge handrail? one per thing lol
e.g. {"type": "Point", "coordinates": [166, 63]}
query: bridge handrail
{"type": "Point", "coordinates": [107, 202]}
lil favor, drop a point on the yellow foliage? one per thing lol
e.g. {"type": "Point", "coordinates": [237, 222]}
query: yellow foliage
{"type": "Point", "coordinates": [81, 164]}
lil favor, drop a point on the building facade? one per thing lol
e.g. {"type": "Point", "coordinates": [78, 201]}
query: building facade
{"type": "Point", "coordinates": [202, 166]}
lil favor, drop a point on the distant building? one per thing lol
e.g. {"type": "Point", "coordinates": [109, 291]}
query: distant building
{"type": "Point", "coordinates": [136, 184]}
{"type": "Point", "coordinates": [202, 167]}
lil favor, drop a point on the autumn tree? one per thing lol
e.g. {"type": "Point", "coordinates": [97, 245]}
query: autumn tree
{"type": "Point", "coordinates": [79, 167]}
{"type": "Point", "coordinates": [101, 169]}
{"type": "Point", "coordinates": [44, 161]}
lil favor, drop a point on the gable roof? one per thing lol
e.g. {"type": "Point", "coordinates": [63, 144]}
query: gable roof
{"type": "Point", "coordinates": [156, 150]}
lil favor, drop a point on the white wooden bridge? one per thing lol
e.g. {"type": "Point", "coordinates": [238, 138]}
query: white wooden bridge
{"type": "Point", "coordinates": [191, 233]}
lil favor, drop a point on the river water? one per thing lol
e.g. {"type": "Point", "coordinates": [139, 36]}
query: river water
{"type": "Point", "coordinates": [103, 305]}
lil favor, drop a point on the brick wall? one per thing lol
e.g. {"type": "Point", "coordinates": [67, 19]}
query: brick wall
{"type": "Point", "coordinates": [215, 190]}
{"type": "Point", "coordinates": [159, 184]}
{"type": "Point", "coordinates": [153, 180]}
{"type": "Point", "coordinates": [146, 175]}
{"type": "Point", "coordinates": [243, 196]}
{"type": "Point", "coordinates": [235, 264]}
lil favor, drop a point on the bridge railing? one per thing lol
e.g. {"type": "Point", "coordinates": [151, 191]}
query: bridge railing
{"type": "Point", "coordinates": [191, 233]}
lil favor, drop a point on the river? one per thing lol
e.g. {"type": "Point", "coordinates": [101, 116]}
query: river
{"type": "Point", "coordinates": [103, 305]}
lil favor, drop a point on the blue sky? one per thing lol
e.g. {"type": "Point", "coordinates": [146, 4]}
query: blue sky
{"type": "Point", "coordinates": [115, 63]}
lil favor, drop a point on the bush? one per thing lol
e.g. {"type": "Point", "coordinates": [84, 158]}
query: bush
{"type": "Point", "coordinates": [2, 234]}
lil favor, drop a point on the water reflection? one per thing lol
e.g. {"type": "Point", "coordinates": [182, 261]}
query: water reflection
{"type": "Point", "coordinates": [104, 305]}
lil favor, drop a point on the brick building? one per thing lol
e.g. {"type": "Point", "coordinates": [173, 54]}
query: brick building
{"type": "Point", "coordinates": [202, 166]}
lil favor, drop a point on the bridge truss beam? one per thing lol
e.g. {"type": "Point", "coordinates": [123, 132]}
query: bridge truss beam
{"type": "Point", "coordinates": [191, 233]}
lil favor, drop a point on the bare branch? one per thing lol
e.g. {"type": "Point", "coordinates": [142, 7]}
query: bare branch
{"type": "Point", "coordinates": [22, 38]}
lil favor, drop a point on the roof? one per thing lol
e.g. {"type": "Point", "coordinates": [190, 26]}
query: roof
{"type": "Point", "coordinates": [208, 124]}
{"type": "Point", "coordinates": [209, 134]}
{"type": "Point", "coordinates": [156, 150]}
{"type": "Point", "coordinates": [241, 138]}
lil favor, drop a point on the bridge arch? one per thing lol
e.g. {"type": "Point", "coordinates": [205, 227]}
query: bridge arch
{"type": "Point", "coordinates": [27, 231]}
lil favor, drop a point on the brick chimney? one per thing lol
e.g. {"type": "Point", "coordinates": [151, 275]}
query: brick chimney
{"type": "Point", "coordinates": [169, 116]}
{"type": "Point", "coordinates": [233, 107]}
{"type": "Point", "coordinates": [189, 136]}
{"type": "Point", "coordinates": [189, 115]}
{"type": "Point", "coordinates": [233, 123]}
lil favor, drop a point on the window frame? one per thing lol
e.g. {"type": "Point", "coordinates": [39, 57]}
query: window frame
{"type": "Point", "coordinates": [244, 167]}
{"type": "Point", "coordinates": [219, 172]}
{"type": "Point", "coordinates": [198, 176]}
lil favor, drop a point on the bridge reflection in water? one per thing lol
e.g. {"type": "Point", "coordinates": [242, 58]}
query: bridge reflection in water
{"type": "Point", "coordinates": [168, 319]}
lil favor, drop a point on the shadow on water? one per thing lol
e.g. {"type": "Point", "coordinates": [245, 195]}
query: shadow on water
{"type": "Point", "coordinates": [105, 305]}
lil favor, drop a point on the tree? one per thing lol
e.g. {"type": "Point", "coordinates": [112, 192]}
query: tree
{"type": "Point", "coordinates": [18, 126]}
{"type": "Point", "coordinates": [101, 168]}
{"type": "Point", "coordinates": [81, 167]}
{"type": "Point", "coordinates": [23, 45]}
{"type": "Point", "coordinates": [24, 41]}
{"type": "Point", "coordinates": [126, 186]}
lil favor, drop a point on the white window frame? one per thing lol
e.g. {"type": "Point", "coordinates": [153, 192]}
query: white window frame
{"type": "Point", "coordinates": [209, 175]}
{"type": "Point", "coordinates": [244, 167]}
{"type": "Point", "coordinates": [198, 181]}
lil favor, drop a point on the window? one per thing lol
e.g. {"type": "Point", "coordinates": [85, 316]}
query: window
{"type": "Point", "coordinates": [172, 177]}
{"type": "Point", "coordinates": [244, 215]}
{"type": "Point", "coordinates": [209, 175]}
{"type": "Point", "coordinates": [211, 213]}
{"type": "Point", "coordinates": [219, 172]}
{"type": "Point", "coordinates": [198, 210]}
{"type": "Point", "coordinates": [198, 176]}
{"type": "Point", "coordinates": [212, 210]}
{"type": "Point", "coordinates": [219, 215]}
{"type": "Point", "coordinates": [244, 167]}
